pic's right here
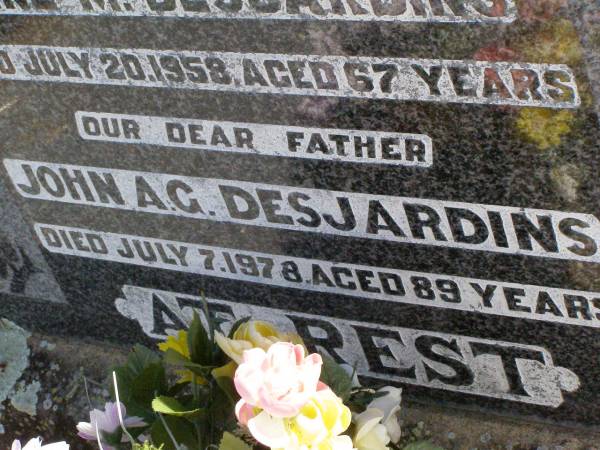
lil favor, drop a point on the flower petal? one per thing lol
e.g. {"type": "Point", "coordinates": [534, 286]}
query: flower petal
{"type": "Point", "coordinates": [244, 412]}
{"type": "Point", "coordinates": [232, 348]}
{"type": "Point", "coordinates": [393, 429]}
{"type": "Point", "coordinates": [269, 430]}
{"type": "Point", "coordinates": [226, 371]}
{"type": "Point", "coordinates": [366, 421]}
{"type": "Point", "coordinates": [134, 422]}
{"type": "Point", "coordinates": [282, 408]}
{"type": "Point", "coordinates": [341, 443]}
{"type": "Point", "coordinates": [376, 439]}
{"type": "Point", "coordinates": [98, 419]}
{"type": "Point", "coordinates": [389, 403]}
{"type": "Point", "coordinates": [56, 446]}
{"type": "Point", "coordinates": [112, 417]}
{"type": "Point", "coordinates": [86, 431]}
{"type": "Point", "coordinates": [33, 444]}
{"type": "Point", "coordinates": [248, 377]}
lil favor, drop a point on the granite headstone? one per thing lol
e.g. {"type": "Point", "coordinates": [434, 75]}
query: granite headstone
{"type": "Point", "coordinates": [410, 184]}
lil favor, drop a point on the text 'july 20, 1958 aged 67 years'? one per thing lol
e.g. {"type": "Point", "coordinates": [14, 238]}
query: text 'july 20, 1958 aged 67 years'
{"type": "Point", "coordinates": [430, 80]}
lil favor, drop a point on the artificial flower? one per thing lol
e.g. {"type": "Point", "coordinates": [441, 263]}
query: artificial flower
{"type": "Point", "coordinates": [179, 344]}
{"type": "Point", "coordinates": [370, 433]}
{"type": "Point", "coordinates": [36, 444]}
{"type": "Point", "coordinates": [389, 404]}
{"type": "Point", "coordinates": [253, 334]}
{"type": "Point", "coordinates": [280, 381]}
{"type": "Point", "coordinates": [342, 442]}
{"type": "Point", "coordinates": [107, 425]}
{"type": "Point", "coordinates": [322, 417]}
{"type": "Point", "coordinates": [226, 371]}
{"type": "Point", "coordinates": [318, 425]}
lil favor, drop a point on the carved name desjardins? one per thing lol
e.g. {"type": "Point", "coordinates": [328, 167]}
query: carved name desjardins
{"type": "Point", "coordinates": [472, 226]}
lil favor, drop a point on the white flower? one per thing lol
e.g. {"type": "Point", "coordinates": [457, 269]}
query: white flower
{"type": "Point", "coordinates": [108, 425]}
{"type": "Point", "coordinates": [36, 444]}
{"type": "Point", "coordinates": [342, 442]}
{"type": "Point", "coordinates": [370, 433]}
{"type": "Point", "coordinates": [389, 404]}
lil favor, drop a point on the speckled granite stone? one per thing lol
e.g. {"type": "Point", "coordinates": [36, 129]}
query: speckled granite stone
{"type": "Point", "coordinates": [533, 361]}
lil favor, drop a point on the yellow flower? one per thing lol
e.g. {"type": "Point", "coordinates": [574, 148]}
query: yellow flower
{"type": "Point", "coordinates": [179, 344]}
{"type": "Point", "coordinates": [251, 334]}
{"type": "Point", "coordinates": [226, 371]}
{"type": "Point", "coordinates": [323, 417]}
{"type": "Point", "coordinates": [545, 127]}
{"type": "Point", "coordinates": [318, 426]}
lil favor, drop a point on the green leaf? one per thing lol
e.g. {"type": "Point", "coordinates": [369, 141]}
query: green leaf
{"type": "Point", "coordinates": [176, 389]}
{"type": "Point", "coordinates": [140, 357]}
{"type": "Point", "coordinates": [360, 398]}
{"type": "Point", "coordinates": [151, 381]}
{"type": "Point", "coordinates": [231, 442]}
{"type": "Point", "coordinates": [222, 411]}
{"type": "Point", "coordinates": [236, 325]}
{"type": "Point", "coordinates": [182, 430]}
{"type": "Point", "coordinates": [113, 439]}
{"type": "Point", "coordinates": [125, 379]}
{"type": "Point", "coordinates": [199, 343]}
{"type": "Point", "coordinates": [422, 445]}
{"type": "Point", "coordinates": [223, 377]}
{"type": "Point", "coordinates": [137, 361]}
{"type": "Point", "coordinates": [334, 376]}
{"type": "Point", "coordinates": [139, 380]}
{"type": "Point", "coordinates": [171, 407]}
{"type": "Point", "coordinates": [209, 319]}
{"type": "Point", "coordinates": [228, 388]}
{"type": "Point", "coordinates": [145, 446]}
{"type": "Point", "coordinates": [174, 358]}
{"type": "Point", "coordinates": [218, 321]}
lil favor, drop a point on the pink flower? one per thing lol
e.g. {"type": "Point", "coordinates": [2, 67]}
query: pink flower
{"type": "Point", "coordinates": [108, 425]}
{"type": "Point", "coordinates": [279, 381]}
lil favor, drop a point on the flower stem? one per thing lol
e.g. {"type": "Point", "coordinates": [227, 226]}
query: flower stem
{"type": "Point", "coordinates": [196, 395]}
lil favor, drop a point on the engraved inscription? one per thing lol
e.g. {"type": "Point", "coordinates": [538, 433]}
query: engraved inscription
{"type": "Point", "coordinates": [510, 371]}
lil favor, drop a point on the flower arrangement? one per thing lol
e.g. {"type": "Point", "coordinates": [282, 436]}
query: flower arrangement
{"type": "Point", "coordinates": [257, 388]}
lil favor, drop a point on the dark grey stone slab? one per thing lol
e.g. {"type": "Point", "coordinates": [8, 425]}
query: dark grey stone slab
{"type": "Point", "coordinates": [590, 38]}
{"type": "Point", "coordinates": [455, 253]}
{"type": "Point", "coordinates": [23, 270]}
